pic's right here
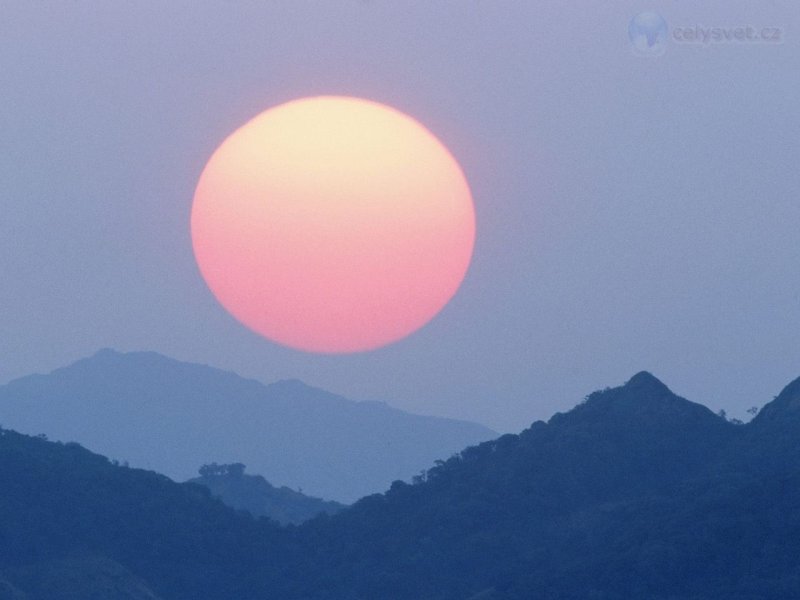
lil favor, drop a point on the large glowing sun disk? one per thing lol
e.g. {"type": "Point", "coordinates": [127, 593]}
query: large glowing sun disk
{"type": "Point", "coordinates": [333, 224]}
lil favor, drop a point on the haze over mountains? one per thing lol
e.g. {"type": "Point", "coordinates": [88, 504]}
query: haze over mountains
{"type": "Point", "coordinates": [635, 493]}
{"type": "Point", "coordinates": [172, 417]}
{"type": "Point", "coordinates": [260, 498]}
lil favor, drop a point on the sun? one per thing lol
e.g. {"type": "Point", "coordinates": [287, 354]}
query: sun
{"type": "Point", "coordinates": [333, 224]}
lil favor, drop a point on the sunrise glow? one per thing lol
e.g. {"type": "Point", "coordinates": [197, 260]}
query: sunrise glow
{"type": "Point", "coordinates": [333, 224]}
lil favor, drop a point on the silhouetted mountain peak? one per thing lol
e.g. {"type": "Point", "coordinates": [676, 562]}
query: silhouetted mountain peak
{"type": "Point", "coordinates": [646, 383]}
{"type": "Point", "coordinates": [643, 400]}
{"type": "Point", "coordinates": [109, 358]}
{"type": "Point", "coordinates": [787, 402]}
{"type": "Point", "coordinates": [110, 355]}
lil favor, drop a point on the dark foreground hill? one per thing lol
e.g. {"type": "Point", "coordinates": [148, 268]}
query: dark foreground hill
{"type": "Point", "coordinates": [635, 493]}
{"type": "Point", "coordinates": [161, 414]}
{"type": "Point", "coordinates": [259, 497]}
{"type": "Point", "coordinates": [75, 526]}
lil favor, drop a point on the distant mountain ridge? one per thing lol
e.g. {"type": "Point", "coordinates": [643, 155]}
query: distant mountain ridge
{"type": "Point", "coordinates": [169, 416]}
{"type": "Point", "coordinates": [634, 493]}
{"type": "Point", "coordinates": [260, 498]}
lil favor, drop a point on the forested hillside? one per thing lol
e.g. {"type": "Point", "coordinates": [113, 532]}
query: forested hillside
{"type": "Point", "coordinates": [635, 493]}
{"type": "Point", "coordinates": [259, 497]}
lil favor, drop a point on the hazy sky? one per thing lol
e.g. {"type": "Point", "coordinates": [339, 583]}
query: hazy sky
{"type": "Point", "coordinates": [632, 212]}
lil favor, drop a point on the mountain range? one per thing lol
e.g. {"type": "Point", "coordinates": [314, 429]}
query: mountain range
{"type": "Point", "coordinates": [157, 413]}
{"type": "Point", "coordinates": [634, 493]}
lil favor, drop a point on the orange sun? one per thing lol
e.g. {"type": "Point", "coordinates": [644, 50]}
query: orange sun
{"type": "Point", "coordinates": [333, 224]}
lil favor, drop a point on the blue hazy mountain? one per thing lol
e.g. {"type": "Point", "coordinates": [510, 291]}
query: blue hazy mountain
{"type": "Point", "coordinates": [635, 493]}
{"type": "Point", "coordinates": [259, 497]}
{"type": "Point", "coordinates": [172, 417]}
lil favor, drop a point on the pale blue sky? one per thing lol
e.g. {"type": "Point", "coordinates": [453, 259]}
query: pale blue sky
{"type": "Point", "coordinates": [633, 213]}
